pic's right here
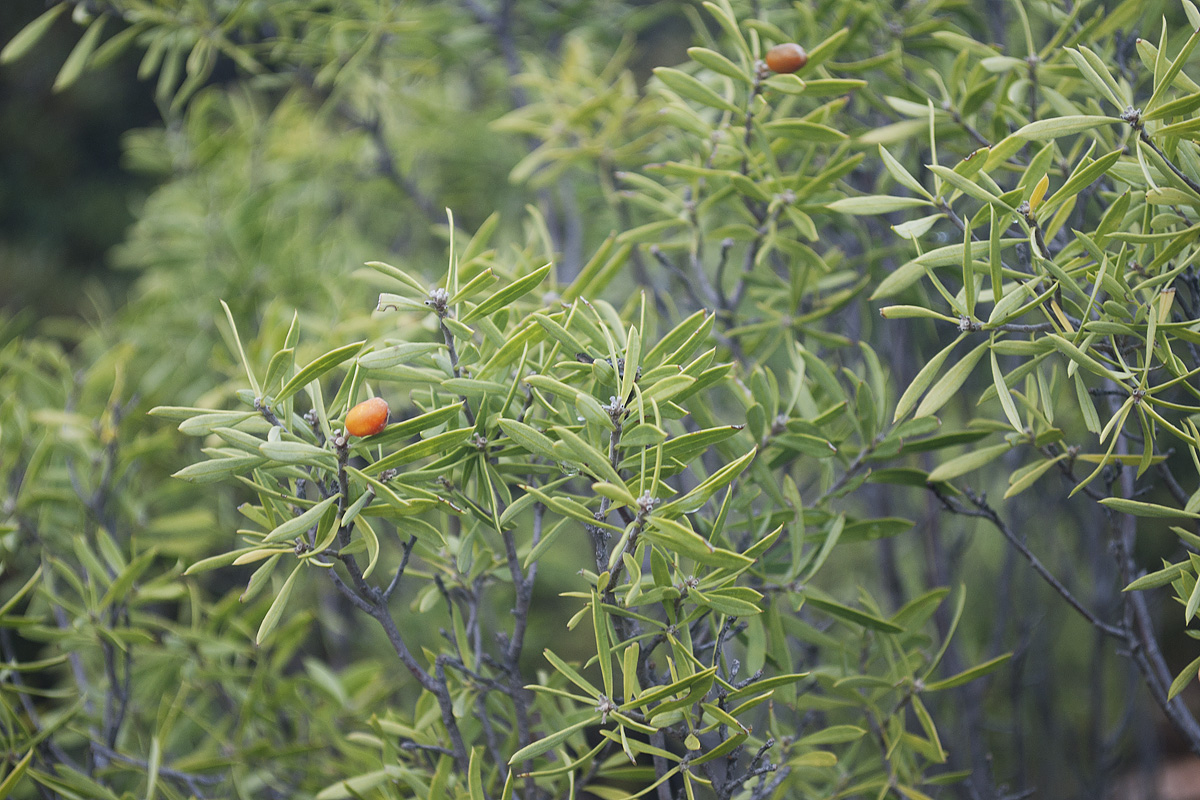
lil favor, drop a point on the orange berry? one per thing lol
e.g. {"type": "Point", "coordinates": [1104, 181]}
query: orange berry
{"type": "Point", "coordinates": [785, 58]}
{"type": "Point", "coordinates": [367, 418]}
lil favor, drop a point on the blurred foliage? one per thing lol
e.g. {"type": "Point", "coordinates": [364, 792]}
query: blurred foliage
{"type": "Point", "coordinates": [765, 566]}
{"type": "Point", "coordinates": [65, 201]}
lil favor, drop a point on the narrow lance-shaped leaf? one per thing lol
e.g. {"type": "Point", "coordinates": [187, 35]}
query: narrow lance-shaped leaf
{"type": "Point", "coordinates": [1063, 126]}
{"type": "Point", "coordinates": [690, 88]}
{"type": "Point", "coordinates": [718, 63]}
{"type": "Point", "coordinates": [241, 351]}
{"type": "Point", "coordinates": [475, 775]}
{"type": "Point", "coordinates": [923, 379]}
{"type": "Point", "coordinates": [1093, 77]}
{"type": "Point", "coordinates": [902, 175]}
{"type": "Point", "coordinates": [441, 443]}
{"type": "Point", "coordinates": [25, 40]}
{"type": "Point", "coordinates": [1139, 509]}
{"type": "Point", "coordinates": [13, 778]}
{"type": "Point", "coordinates": [72, 68]}
{"type": "Point", "coordinates": [528, 437]}
{"type": "Point", "coordinates": [603, 645]}
{"type": "Point", "coordinates": [507, 295]}
{"type": "Point", "coordinates": [316, 368]}
{"type": "Point", "coordinates": [1002, 392]}
{"type": "Point", "coordinates": [548, 743]}
{"type": "Point", "coordinates": [1183, 679]}
{"type": "Point", "coordinates": [276, 610]}
{"type": "Point", "coordinates": [1160, 578]}
{"type": "Point", "coordinates": [873, 204]}
{"type": "Point", "coordinates": [968, 462]}
{"type": "Point", "coordinates": [951, 382]}
{"type": "Point", "coordinates": [968, 675]}
{"type": "Point", "coordinates": [303, 522]}
{"type": "Point", "coordinates": [968, 272]}
{"type": "Point", "coordinates": [853, 615]}
{"type": "Point", "coordinates": [1164, 82]}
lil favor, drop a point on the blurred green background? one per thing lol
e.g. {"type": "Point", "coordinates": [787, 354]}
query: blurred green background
{"type": "Point", "coordinates": [65, 199]}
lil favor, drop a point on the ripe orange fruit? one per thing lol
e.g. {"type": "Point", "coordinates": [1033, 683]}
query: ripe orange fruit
{"type": "Point", "coordinates": [785, 58]}
{"type": "Point", "coordinates": [367, 418]}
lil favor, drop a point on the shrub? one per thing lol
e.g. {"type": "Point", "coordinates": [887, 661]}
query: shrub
{"type": "Point", "coordinates": [656, 511]}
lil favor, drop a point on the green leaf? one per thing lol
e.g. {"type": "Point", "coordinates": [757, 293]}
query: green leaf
{"type": "Point", "coordinates": [875, 204]}
{"type": "Point", "coordinates": [1063, 126]}
{"type": "Point", "coordinates": [441, 443]}
{"type": "Point", "coordinates": [1183, 679]}
{"type": "Point", "coordinates": [902, 175]}
{"type": "Point", "coordinates": [633, 355]}
{"type": "Point", "coordinates": [804, 130]}
{"type": "Point", "coordinates": [476, 285]}
{"type": "Point", "coordinates": [951, 382]}
{"type": "Point", "coordinates": [1084, 360]}
{"type": "Point", "coordinates": [718, 63]}
{"type": "Point", "coordinates": [924, 377]}
{"type": "Point", "coordinates": [397, 274]}
{"type": "Point", "coordinates": [667, 388]}
{"type": "Point", "coordinates": [218, 468]}
{"type": "Point", "coordinates": [603, 644]}
{"type": "Point", "coordinates": [570, 673]}
{"type": "Point", "coordinates": [697, 497]}
{"type": "Point", "coordinates": [560, 334]}
{"type": "Point", "coordinates": [969, 187]}
{"type": "Point", "coordinates": [1082, 177]}
{"type": "Point", "coordinates": [298, 524]}
{"type": "Point", "coordinates": [834, 734]}
{"type": "Point", "coordinates": [22, 43]}
{"type": "Point", "coordinates": [692, 89]}
{"type": "Point", "coordinates": [1005, 396]}
{"type": "Point", "coordinates": [1160, 578]}
{"type": "Point", "coordinates": [814, 759]}
{"type": "Point", "coordinates": [356, 787]}
{"type": "Point", "coordinates": [475, 775]}
{"type": "Point", "coordinates": [1139, 509]}
{"type": "Point", "coordinates": [736, 601]}
{"type": "Point", "coordinates": [853, 615]}
{"type": "Point", "coordinates": [121, 586]}
{"type": "Point", "coordinates": [298, 453]}
{"type": "Point", "coordinates": [507, 295]}
{"type": "Point", "coordinates": [966, 676]}
{"type": "Point", "coordinates": [72, 68]}
{"type": "Point", "coordinates": [1093, 77]}
{"type": "Point", "coordinates": [550, 742]}
{"type": "Point", "coordinates": [276, 610]}
{"type": "Point", "coordinates": [13, 778]}
{"type": "Point", "coordinates": [968, 462]}
{"type": "Point", "coordinates": [596, 462]}
{"type": "Point", "coordinates": [938, 754]}
{"type": "Point", "coordinates": [316, 368]}
{"type": "Point", "coordinates": [399, 431]}
{"type": "Point", "coordinates": [528, 437]}
{"type": "Point", "coordinates": [241, 351]}
{"type": "Point", "coordinates": [1024, 478]}
{"type": "Point", "coordinates": [1167, 78]}
{"type": "Point", "coordinates": [397, 354]}
{"type": "Point", "coordinates": [724, 16]}
{"type": "Point", "coordinates": [548, 384]}
{"type": "Point", "coordinates": [677, 537]}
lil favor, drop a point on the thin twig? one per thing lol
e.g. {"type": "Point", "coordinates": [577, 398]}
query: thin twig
{"type": "Point", "coordinates": [985, 511]}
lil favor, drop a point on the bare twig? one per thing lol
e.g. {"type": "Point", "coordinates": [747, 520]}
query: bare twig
{"type": "Point", "coordinates": [985, 511]}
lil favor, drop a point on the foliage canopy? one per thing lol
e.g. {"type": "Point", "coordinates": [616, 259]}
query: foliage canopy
{"type": "Point", "coordinates": [657, 513]}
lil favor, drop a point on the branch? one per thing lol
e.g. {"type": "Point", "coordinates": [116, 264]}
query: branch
{"type": "Point", "coordinates": [985, 511]}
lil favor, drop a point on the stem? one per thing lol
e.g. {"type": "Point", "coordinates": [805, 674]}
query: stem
{"type": "Point", "coordinates": [453, 351]}
{"type": "Point", "coordinates": [985, 511]}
